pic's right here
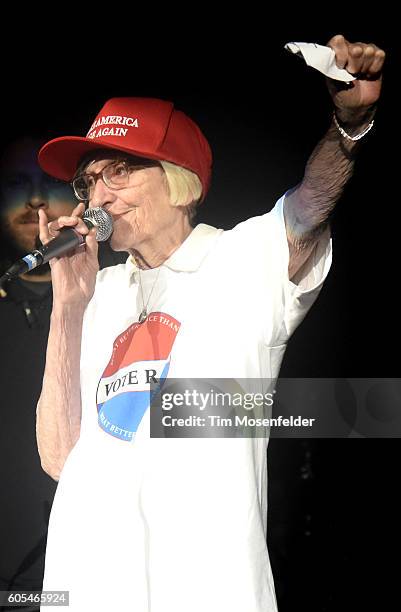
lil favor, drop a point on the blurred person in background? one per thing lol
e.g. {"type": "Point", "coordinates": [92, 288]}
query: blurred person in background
{"type": "Point", "coordinates": [25, 307]}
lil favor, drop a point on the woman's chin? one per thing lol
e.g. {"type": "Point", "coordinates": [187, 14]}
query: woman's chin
{"type": "Point", "coordinates": [117, 244]}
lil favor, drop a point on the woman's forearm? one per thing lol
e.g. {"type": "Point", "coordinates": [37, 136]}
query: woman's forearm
{"type": "Point", "coordinates": [59, 408]}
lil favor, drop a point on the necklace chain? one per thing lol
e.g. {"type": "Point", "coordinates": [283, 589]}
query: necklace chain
{"type": "Point", "coordinates": [144, 312]}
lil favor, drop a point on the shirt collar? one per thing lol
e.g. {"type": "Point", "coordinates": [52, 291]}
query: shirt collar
{"type": "Point", "coordinates": [190, 254]}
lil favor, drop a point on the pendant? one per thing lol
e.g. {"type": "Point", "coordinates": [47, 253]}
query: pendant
{"type": "Point", "coordinates": [143, 316]}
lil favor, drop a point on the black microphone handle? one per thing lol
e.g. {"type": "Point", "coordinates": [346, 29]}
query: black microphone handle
{"type": "Point", "coordinates": [67, 240]}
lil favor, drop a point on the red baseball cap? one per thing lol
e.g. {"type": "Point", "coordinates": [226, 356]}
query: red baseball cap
{"type": "Point", "coordinates": [146, 127]}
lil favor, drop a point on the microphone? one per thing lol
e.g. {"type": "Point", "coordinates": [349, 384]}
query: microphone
{"type": "Point", "coordinates": [67, 240]}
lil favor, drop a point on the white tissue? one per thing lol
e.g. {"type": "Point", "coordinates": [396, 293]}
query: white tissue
{"type": "Point", "coordinates": [322, 58]}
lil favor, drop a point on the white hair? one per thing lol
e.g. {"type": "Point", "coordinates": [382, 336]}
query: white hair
{"type": "Point", "coordinates": [184, 187]}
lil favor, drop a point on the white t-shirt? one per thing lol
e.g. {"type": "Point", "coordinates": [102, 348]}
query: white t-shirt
{"type": "Point", "coordinates": [177, 525]}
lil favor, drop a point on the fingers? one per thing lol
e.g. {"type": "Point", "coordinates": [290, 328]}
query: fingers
{"type": "Point", "coordinates": [72, 221]}
{"type": "Point", "coordinates": [48, 231]}
{"type": "Point", "coordinates": [377, 63]}
{"type": "Point", "coordinates": [43, 227]}
{"type": "Point", "coordinates": [340, 47]}
{"type": "Point", "coordinates": [360, 59]}
{"type": "Point", "coordinates": [91, 243]}
{"type": "Point", "coordinates": [79, 210]}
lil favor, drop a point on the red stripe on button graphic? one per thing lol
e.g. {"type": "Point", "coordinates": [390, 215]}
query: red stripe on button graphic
{"type": "Point", "coordinates": [150, 340]}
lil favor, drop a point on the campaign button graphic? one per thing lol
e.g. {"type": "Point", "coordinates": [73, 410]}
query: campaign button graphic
{"type": "Point", "coordinates": [140, 356]}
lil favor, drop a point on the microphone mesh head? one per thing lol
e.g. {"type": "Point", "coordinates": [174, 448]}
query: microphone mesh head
{"type": "Point", "coordinates": [102, 220]}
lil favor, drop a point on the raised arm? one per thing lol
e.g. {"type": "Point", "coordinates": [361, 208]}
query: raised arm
{"type": "Point", "coordinates": [329, 168]}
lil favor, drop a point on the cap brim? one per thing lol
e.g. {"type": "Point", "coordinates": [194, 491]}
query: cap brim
{"type": "Point", "coordinates": [60, 157]}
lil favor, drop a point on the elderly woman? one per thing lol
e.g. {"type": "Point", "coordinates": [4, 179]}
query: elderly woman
{"type": "Point", "coordinates": [142, 523]}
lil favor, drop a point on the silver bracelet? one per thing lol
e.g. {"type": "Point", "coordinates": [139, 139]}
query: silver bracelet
{"type": "Point", "coordinates": [358, 136]}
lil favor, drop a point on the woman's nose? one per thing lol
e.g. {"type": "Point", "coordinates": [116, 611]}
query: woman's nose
{"type": "Point", "coordinates": [100, 194]}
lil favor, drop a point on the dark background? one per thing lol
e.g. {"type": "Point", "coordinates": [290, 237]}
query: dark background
{"type": "Point", "coordinates": [333, 522]}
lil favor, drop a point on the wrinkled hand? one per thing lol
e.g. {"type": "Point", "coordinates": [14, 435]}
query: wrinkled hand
{"type": "Point", "coordinates": [73, 275]}
{"type": "Point", "coordinates": [365, 62]}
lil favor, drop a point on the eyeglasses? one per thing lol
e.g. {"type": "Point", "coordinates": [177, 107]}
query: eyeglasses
{"type": "Point", "coordinates": [115, 175]}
